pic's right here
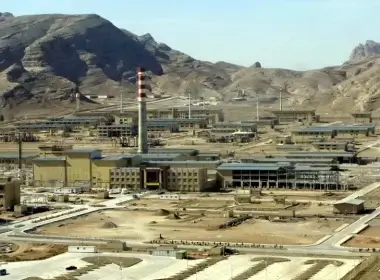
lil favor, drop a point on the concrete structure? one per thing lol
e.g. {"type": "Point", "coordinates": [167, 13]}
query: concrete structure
{"type": "Point", "coordinates": [312, 134]}
{"type": "Point", "coordinates": [340, 157]}
{"type": "Point", "coordinates": [351, 206]}
{"type": "Point", "coordinates": [9, 193]}
{"type": "Point", "coordinates": [72, 190]}
{"type": "Point", "coordinates": [333, 146]}
{"type": "Point", "coordinates": [362, 117]}
{"type": "Point", "coordinates": [277, 175]}
{"type": "Point", "coordinates": [142, 121]}
{"type": "Point", "coordinates": [159, 177]}
{"type": "Point", "coordinates": [82, 249]}
{"type": "Point", "coordinates": [70, 123]}
{"type": "Point", "coordinates": [79, 167]}
{"type": "Point", "coordinates": [307, 116]}
{"type": "Point", "coordinates": [283, 139]}
{"type": "Point", "coordinates": [117, 130]}
{"type": "Point", "coordinates": [11, 160]}
{"type": "Point", "coordinates": [305, 160]}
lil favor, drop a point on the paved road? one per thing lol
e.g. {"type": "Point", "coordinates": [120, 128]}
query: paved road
{"type": "Point", "coordinates": [329, 245]}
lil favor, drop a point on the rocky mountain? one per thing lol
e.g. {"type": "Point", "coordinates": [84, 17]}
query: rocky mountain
{"type": "Point", "coordinates": [46, 59]}
{"type": "Point", "coordinates": [368, 49]}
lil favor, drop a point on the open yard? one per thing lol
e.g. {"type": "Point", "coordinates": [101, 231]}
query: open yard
{"type": "Point", "coordinates": [145, 225]}
{"type": "Point", "coordinates": [368, 238]}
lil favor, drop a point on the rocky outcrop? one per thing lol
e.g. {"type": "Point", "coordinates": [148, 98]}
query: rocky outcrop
{"type": "Point", "coordinates": [368, 49]}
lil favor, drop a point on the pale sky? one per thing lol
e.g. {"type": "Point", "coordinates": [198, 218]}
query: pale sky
{"type": "Point", "coordinates": [295, 34]}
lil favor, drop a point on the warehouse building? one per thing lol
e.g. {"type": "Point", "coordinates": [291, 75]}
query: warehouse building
{"type": "Point", "coordinates": [362, 117]}
{"type": "Point", "coordinates": [349, 206]}
{"type": "Point", "coordinates": [333, 146]}
{"type": "Point", "coordinates": [9, 193]}
{"type": "Point", "coordinates": [158, 169]}
{"type": "Point", "coordinates": [210, 115]}
{"type": "Point", "coordinates": [184, 124]}
{"type": "Point", "coordinates": [236, 127]}
{"type": "Point", "coordinates": [311, 134]}
{"type": "Point", "coordinates": [131, 130]}
{"type": "Point", "coordinates": [277, 175]}
{"type": "Point", "coordinates": [340, 157]}
{"type": "Point", "coordinates": [285, 116]}
{"type": "Point", "coordinates": [306, 160]}
{"type": "Point", "coordinates": [11, 160]}
{"type": "Point", "coordinates": [117, 130]}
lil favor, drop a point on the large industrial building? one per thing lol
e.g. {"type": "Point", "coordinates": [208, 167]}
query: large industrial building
{"type": "Point", "coordinates": [177, 172]}
{"type": "Point", "coordinates": [312, 134]}
{"type": "Point", "coordinates": [9, 193]}
{"type": "Point", "coordinates": [277, 175]}
{"type": "Point", "coordinates": [208, 114]}
{"type": "Point", "coordinates": [284, 116]}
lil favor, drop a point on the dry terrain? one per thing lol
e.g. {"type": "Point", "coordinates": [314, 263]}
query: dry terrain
{"type": "Point", "coordinates": [33, 251]}
{"type": "Point", "coordinates": [145, 225]}
{"type": "Point", "coordinates": [368, 238]}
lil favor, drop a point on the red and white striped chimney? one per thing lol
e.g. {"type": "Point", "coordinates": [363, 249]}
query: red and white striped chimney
{"type": "Point", "coordinates": [142, 123]}
{"type": "Point", "coordinates": [141, 84]}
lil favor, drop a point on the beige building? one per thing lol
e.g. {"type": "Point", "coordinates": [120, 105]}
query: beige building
{"type": "Point", "coordinates": [9, 193]}
{"type": "Point", "coordinates": [159, 177]}
{"type": "Point", "coordinates": [362, 117]}
{"type": "Point", "coordinates": [311, 134]}
{"type": "Point", "coordinates": [208, 114]}
{"type": "Point", "coordinates": [79, 166]}
{"type": "Point", "coordinates": [285, 116]}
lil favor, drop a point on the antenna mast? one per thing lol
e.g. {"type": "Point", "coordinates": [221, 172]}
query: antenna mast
{"type": "Point", "coordinates": [257, 106]}
{"type": "Point", "coordinates": [189, 91]}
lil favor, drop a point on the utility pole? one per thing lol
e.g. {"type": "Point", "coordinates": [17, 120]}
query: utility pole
{"type": "Point", "coordinates": [121, 102]}
{"type": "Point", "coordinates": [257, 107]}
{"type": "Point", "coordinates": [19, 142]}
{"type": "Point", "coordinates": [189, 92]}
{"type": "Point", "coordinates": [280, 99]}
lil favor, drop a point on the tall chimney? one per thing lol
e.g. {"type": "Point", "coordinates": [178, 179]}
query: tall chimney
{"type": "Point", "coordinates": [141, 98]}
{"type": "Point", "coordinates": [77, 100]}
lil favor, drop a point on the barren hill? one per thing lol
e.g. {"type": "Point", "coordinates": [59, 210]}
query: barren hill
{"type": "Point", "coordinates": [45, 59]}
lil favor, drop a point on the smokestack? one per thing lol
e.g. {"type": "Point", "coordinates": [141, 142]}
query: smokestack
{"type": "Point", "coordinates": [141, 98]}
{"type": "Point", "coordinates": [77, 100]}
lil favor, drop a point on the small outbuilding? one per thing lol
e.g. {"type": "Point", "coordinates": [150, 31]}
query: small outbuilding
{"type": "Point", "coordinates": [352, 206]}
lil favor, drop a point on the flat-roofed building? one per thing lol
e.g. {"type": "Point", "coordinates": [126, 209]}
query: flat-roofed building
{"type": "Point", "coordinates": [341, 157]}
{"type": "Point", "coordinates": [209, 114]}
{"type": "Point", "coordinates": [236, 126]}
{"type": "Point", "coordinates": [159, 125]}
{"type": "Point", "coordinates": [349, 206]}
{"type": "Point", "coordinates": [11, 160]}
{"type": "Point", "coordinates": [117, 130]}
{"type": "Point", "coordinates": [285, 116]}
{"type": "Point", "coordinates": [10, 193]}
{"type": "Point", "coordinates": [310, 134]}
{"type": "Point", "coordinates": [362, 117]}
{"type": "Point", "coordinates": [277, 175]}
{"type": "Point", "coordinates": [309, 161]}
{"type": "Point", "coordinates": [334, 146]}
{"type": "Point", "coordinates": [185, 124]}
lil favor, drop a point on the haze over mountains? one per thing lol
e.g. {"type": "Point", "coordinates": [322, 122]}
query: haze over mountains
{"type": "Point", "coordinates": [46, 58]}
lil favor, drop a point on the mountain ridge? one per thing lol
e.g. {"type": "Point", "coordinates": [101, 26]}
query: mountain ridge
{"type": "Point", "coordinates": [45, 59]}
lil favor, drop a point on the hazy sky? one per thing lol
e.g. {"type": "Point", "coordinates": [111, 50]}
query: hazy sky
{"type": "Point", "coordinates": [297, 34]}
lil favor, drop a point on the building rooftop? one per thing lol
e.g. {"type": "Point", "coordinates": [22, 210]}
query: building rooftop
{"type": "Point", "coordinates": [234, 124]}
{"type": "Point", "coordinates": [16, 155]}
{"type": "Point", "coordinates": [284, 159]}
{"type": "Point", "coordinates": [186, 162]}
{"type": "Point", "coordinates": [294, 111]}
{"type": "Point", "coordinates": [173, 151]}
{"type": "Point", "coordinates": [248, 166]}
{"type": "Point", "coordinates": [178, 120]}
{"type": "Point", "coordinates": [119, 157]}
{"type": "Point", "coordinates": [50, 159]}
{"type": "Point", "coordinates": [353, 201]}
{"type": "Point", "coordinates": [159, 156]}
{"type": "Point", "coordinates": [319, 154]}
{"type": "Point", "coordinates": [329, 143]}
{"type": "Point", "coordinates": [312, 168]}
{"type": "Point", "coordinates": [82, 150]}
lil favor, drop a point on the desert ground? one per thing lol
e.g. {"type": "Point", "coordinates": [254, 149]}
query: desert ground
{"type": "Point", "coordinates": [146, 225]}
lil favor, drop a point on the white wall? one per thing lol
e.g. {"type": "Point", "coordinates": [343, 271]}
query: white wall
{"type": "Point", "coordinates": [82, 249]}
